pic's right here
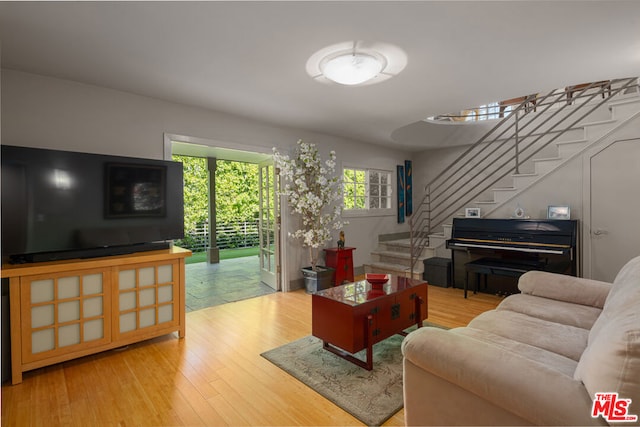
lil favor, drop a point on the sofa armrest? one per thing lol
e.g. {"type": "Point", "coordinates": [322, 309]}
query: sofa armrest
{"type": "Point", "coordinates": [528, 389]}
{"type": "Point", "coordinates": [562, 287]}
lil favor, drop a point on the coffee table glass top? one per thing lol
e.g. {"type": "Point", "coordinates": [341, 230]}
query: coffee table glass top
{"type": "Point", "coordinates": [362, 291]}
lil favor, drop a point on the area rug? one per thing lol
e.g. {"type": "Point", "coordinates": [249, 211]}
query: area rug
{"type": "Point", "coordinates": [370, 396]}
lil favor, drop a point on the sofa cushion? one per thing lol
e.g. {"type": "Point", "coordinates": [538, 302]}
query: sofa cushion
{"type": "Point", "coordinates": [581, 316]}
{"type": "Point", "coordinates": [611, 361]}
{"type": "Point", "coordinates": [528, 388]}
{"type": "Point", "coordinates": [563, 365]}
{"type": "Point", "coordinates": [562, 287]}
{"type": "Point", "coordinates": [569, 341]}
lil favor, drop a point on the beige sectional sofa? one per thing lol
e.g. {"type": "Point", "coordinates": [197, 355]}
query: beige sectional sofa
{"type": "Point", "coordinates": [537, 359]}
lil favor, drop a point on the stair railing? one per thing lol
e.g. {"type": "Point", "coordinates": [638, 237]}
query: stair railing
{"type": "Point", "coordinates": [512, 141]}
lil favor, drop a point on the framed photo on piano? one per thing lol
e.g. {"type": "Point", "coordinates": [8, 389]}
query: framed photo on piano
{"type": "Point", "coordinates": [472, 212]}
{"type": "Point", "coordinates": [558, 212]}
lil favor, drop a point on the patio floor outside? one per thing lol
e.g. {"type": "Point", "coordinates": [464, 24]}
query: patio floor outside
{"type": "Point", "coordinates": [230, 280]}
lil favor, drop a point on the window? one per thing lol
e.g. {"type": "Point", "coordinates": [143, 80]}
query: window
{"type": "Point", "coordinates": [366, 189]}
{"type": "Point", "coordinates": [484, 112]}
{"type": "Point", "coordinates": [487, 112]}
{"type": "Point", "coordinates": [354, 182]}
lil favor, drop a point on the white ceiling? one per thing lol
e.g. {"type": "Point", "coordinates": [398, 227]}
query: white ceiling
{"type": "Point", "coordinates": [248, 58]}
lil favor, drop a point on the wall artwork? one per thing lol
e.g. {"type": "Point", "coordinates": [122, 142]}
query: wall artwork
{"type": "Point", "coordinates": [401, 193]}
{"type": "Point", "coordinates": [408, 182]}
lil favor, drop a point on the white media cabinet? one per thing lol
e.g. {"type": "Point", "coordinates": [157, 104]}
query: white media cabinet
{"type": "Point", "coordinates": [62, 310]}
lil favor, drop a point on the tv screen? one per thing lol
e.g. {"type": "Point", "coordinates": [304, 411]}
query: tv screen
{"type": "Point", "coordinates": [62, 204]}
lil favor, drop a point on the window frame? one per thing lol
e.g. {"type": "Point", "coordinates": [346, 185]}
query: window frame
{"type": "Point", "coordinates": [368, 211]}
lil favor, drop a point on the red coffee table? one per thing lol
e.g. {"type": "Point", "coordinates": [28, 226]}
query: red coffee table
{"type": "Point", "coordinates": [355, 316]}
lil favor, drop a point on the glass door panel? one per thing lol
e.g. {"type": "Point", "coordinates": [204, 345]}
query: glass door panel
{"type": "Point", "coordinates": [269, 225]}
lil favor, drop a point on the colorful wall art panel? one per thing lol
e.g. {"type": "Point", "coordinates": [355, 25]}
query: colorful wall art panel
{"type": "Point", "coordinates": [401, 194]}
{"type": "Point", "coordinates": [408, 183]}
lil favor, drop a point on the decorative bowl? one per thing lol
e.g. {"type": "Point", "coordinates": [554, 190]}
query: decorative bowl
{"type": "Point", "coordinates": [377, 280]}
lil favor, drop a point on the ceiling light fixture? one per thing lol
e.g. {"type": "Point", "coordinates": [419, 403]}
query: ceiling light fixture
{"type": "Point", "coordinates": [351, 68]}
{"type": "Point", "coordinates": [356, 63]}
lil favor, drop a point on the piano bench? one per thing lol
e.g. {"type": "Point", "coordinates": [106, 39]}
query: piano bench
{"type": "Point", "coordinates": [497, 267]}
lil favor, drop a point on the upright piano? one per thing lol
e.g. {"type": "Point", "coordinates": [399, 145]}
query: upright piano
{"type": "Point", "coordinates": [510, 247]}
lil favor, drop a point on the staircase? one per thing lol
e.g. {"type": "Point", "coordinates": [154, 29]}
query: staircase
{"type": "Point", "coordinates": [394, 256]}
{"type": "Point", "coordinates": [518, 152]}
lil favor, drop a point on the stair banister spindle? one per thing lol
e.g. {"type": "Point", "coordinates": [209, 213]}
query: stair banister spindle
{"type": "Point", "coordinates": [516, 148]}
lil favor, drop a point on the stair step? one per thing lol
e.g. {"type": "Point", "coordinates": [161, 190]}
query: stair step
{"type": "Point", "coordinates": [390, 268]}
{"type": "Point", "coordinates": [402, 256]}
{"type": "Point", "coordinates": [437, 239]}
{"type": "Point", "coordinates": [567, 148]}
{"type": "Point", "coordinates": [600, 122]}
{"type": "Point", "coordinates": [594, 130]}
{"type": "Point", "coordinates": [572, 134]}
{"type": "Point", "coordinates": [544, 166]}
{"type": "Point", "coordinates": [399, 246]}
{"type": "Point", "coordinates": [446, 230]}
{"type": "Point", "coordinates": [389, 265]}
{"type": "Point", "coordinates": [633, 99]}
{"type": "Point", "coordinates": [621, 109]}
{"type": "Point", "coordinates": [501, 195]}
{"type": "Point", "coordinates": [521, 180]}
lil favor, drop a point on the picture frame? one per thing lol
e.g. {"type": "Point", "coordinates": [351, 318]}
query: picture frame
{"type": "Point", "coordinates": [472, 212]}
{"type": "Point", "coordinates": [558, 212]}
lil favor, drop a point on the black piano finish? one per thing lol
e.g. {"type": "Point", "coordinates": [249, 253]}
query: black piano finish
{"type": "Point", "coordinates": [549, 245]}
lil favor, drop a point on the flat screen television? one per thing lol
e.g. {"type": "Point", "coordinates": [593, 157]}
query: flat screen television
{"type": "Point", "coordinates": [63, 204]}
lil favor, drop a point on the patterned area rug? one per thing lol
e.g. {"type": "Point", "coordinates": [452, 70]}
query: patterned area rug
{"type": "Point", "coordinates": [370, 396]}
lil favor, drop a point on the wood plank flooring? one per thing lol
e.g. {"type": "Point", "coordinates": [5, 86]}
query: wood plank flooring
{"type": "Point", "coordinates": [215, 376]}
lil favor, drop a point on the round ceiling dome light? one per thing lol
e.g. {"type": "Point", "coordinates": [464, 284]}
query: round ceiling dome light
{"type": "Point", "coordinates": [356, 63]}
{"type": "Point", "coordinates": [351, 68]}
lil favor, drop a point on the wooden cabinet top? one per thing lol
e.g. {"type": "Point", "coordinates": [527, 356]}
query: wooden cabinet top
{"type": "Point", "coordinates": [14, 270]}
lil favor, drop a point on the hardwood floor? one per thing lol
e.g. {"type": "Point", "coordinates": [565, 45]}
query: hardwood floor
{"type": "Point", "coordinates": [214, 376]}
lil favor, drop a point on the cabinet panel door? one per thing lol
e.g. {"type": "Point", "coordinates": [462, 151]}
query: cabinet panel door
{"type": "Point", "coordinates": [64, 312]}
{"type": "Point", "coordinates": [148, 298]}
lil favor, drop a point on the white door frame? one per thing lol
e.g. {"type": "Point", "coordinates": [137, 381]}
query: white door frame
{"type": "Point", "coordinates": [587, 252]}
{"type": "Point", "coordinates": [211, 144]}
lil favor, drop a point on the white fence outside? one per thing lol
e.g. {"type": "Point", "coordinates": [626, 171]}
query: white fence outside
{"type": "Point", "coordinates": [240, 234]}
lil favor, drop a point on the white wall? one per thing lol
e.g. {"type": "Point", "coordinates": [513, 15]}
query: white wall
{"type": "Point", "coordinates": [46, 112]}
